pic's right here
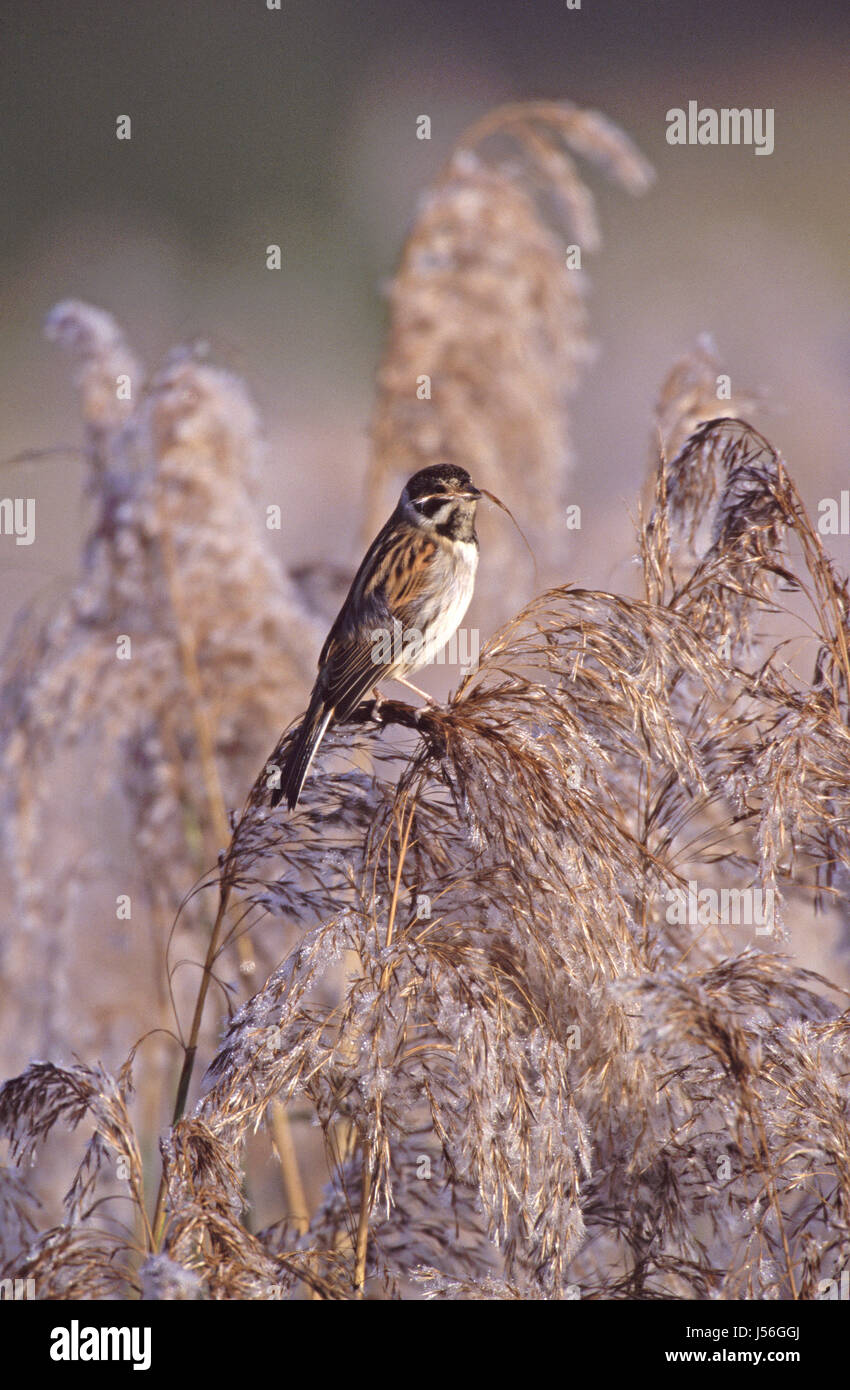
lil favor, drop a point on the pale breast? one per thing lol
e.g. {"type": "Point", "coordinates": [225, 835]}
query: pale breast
{"type": "Point", "coordinates": [442, 611]}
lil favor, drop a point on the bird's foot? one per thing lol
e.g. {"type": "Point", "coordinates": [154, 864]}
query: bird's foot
{"type": "Point", "coordinates": [429, 699]}
{"type": "Point", "coordinates": [377, 702]}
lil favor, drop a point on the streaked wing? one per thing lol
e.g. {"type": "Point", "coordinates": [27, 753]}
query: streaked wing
{"type": "Point", "coordinates": [403, 570]}
{"type": "Point", "coordinates": [395, 572]}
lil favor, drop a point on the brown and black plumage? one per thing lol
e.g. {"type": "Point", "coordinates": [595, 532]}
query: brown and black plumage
{"type": "Point", "coordinates": [407, 599]}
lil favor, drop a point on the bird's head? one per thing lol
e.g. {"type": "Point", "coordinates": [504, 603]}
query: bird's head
{"type": "Point", "coordinates": [442, 499]}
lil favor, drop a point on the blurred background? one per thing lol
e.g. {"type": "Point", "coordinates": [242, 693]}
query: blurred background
{"type": "Point", "coordinates": [252, 126]}
{"type": "Point", "coordinates": [297, 126]}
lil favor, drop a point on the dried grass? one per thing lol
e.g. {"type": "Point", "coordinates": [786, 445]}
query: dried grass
{"type": "Point", "coordinates": [529, 1080]}
{"type": "Point", "coordinates": [485, 306]}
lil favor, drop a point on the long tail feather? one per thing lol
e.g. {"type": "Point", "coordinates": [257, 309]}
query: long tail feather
{"type": "Point", "coordinates": [301, 754]}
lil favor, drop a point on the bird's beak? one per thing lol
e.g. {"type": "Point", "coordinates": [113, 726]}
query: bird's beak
{"type": "Point", "coordinates": [470, 494]}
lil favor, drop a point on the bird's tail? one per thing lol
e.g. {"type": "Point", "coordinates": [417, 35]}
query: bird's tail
{"type": "Point", "coordinates": [301, 754]}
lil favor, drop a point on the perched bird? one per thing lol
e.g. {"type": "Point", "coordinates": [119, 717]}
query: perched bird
{"type": "Point", "coordinates": [407, 599]}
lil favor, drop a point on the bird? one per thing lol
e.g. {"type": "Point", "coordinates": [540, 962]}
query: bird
{"type": "Point", "coordinates": [406, 601]}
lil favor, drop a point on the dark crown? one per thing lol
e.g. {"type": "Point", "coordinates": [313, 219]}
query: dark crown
{"type": "Point", "coordinates": [443, 477]}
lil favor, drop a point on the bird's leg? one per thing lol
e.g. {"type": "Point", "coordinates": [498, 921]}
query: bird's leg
{"type": "Point", "coordinates": [429, 699]}
{"type": "Point", "coordinates": [377, 701]}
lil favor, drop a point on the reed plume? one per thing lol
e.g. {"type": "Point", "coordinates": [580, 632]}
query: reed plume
{"type": "Point", "coordinates": [539, 1058]}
